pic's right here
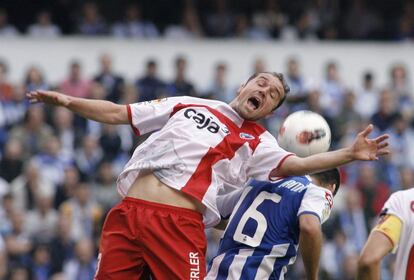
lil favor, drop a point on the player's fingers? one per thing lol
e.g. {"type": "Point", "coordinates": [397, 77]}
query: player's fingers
{"type": "Point", "coordinates": [383, 152]}
{"type": "Point", "coordinates": [367, 130]}
{"type": "Point", "coordinates": [381, 138]}
{"type": "Point", "coordinates": [382, 145]}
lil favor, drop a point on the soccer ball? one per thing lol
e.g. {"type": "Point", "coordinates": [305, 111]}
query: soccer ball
{"type": "Point", "coordinates": [304, 133]}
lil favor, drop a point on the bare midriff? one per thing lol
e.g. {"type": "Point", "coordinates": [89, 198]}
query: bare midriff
{"type": "Point", "coordinates": [150, 188]}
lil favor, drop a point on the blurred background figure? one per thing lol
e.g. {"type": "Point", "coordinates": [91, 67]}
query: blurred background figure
{"type": "Point", "coordinates": [6, 29]}
{"type": "Point", "coordinates": [91, 22]}
{"type": "Point", "coordinates": [76, 85]}
{"type": "Point", "coordinates": [134, 26]}
{"type": "Point", "coordinates": [83, 264]}
{"type": "Point", "coordinates": [180, 85]}
{"type": "Point", "coordinates": [44, 27]}
{"type": "Point", "coordinates": [112, 82]}
{"type": "Point", "coordinates": [150, 86]}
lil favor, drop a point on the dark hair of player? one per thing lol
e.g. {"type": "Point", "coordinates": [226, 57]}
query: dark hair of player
{"type": "Point", "coordinates": [281, 78]}
{"type": "Point", "coordinates": [331, 176]}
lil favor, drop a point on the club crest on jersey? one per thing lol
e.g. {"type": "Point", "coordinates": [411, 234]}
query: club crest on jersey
{"type": "Point", "coordinates": [246, 136]}
{"type": "Point", "coordinates": [204, 121]}
{"type": "Point", "coordinates": [155, 101]}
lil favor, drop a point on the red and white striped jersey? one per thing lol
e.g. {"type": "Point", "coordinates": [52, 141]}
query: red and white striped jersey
{"type": "Point", "coordinates": [401, 205]}
{"type": "Point", "coordinates": [201, 147]}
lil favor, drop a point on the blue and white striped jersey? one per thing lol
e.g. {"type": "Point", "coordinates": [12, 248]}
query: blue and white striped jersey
{"type": "Point", "coordinates": [262, 236]}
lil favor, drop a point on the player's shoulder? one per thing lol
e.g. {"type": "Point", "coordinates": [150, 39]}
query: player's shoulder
{"type": "Point", "coordinates": [401, 196]}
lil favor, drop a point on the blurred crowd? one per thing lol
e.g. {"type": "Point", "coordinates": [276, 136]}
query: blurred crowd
{"type": "Point", "coordinates": [181, 19]}
{"type": "Point", "coordinates": [58, 171]}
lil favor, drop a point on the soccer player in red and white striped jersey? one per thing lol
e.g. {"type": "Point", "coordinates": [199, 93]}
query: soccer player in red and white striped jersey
{"type": "Point", "coordinates": [199, 149]}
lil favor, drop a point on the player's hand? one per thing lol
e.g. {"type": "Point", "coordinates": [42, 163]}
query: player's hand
{"type": "Point", "coordinates": [369, 149]}
{"type": "Point", "coordinates": [48, 97]}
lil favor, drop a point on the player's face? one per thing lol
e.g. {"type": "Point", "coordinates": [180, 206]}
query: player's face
{"type": "Point", "coordinates": [258, 97]}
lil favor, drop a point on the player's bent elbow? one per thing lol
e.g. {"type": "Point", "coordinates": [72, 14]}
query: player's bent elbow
{"type": "Point", "coordinates": [367, 261]}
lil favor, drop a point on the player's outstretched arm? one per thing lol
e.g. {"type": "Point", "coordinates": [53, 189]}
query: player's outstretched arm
{"type": "Point", "coordinates": [363, 148]}
{"type": "Point", "coordinates": [310, 243]}
{"type": "Point", "coordinates": [97, 110]}
{"type": "Point", "coordinates": [377, 246]}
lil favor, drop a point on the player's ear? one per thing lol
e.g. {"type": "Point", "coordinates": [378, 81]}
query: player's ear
{"type": "Point", "coordinates": [332, 188]}
{"type": "Point", "coordinates": [240, 88]}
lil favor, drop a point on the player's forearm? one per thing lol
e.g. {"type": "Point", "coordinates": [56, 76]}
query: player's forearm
{"type": "Point", "coordinates": [368, 271]}
{"type": "Point", "coordinates": [315, 163]}
{"type": "Point", "coordinates": [310, 244]}
{"type": "Point", "coordinates": [98, 110]}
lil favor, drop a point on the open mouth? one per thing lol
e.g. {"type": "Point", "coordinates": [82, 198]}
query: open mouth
{"type": "Point", "coordinates": [254, 102]}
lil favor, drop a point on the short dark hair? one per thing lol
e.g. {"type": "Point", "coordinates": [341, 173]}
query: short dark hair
{"type": "Point", "coordinates": [331, 176]}
{"type": "Point", "coordinates": [281, 78]}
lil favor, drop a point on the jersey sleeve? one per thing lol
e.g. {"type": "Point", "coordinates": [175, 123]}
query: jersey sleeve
{"type": "Point", "coordinates": [390, 226]}
{"type": "Point", "coordinates": [267, 157]}
{"type": "Point", "coordinates": [390, 222]}
{"type": "Point", "coordinates": [318, 202]}
{"type": "Point", "coordinates": [151, 115]}
{"type": "Point", "coordinates": [227, 202]}
{"type": "Point", "coordinates": [393, 205]}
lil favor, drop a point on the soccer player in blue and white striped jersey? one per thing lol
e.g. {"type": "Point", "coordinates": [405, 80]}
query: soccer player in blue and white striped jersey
{"type": "Point", "coordinates": [270, 221]}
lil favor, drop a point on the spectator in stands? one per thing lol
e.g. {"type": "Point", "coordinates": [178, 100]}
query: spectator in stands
{"type": "Point", "coordinates": [221, 21]}
{"type": "Point", "coordinates": [50, 161]}
{"type": "Point", "coordinates": [347, 118]}
{"type": "Point", "coordinates": [42, 221]}
{"type": "Point", "coordinates": [112, 82]}
{"type": "Point", "coordinates": [361, 22]}
{"type": "Point", "coordinates": [11, 163]}
{"type": "Point", "coordinates": [18, 242]}
{"type": "Point", "coordinates": [150, 86]}
{"type": "Point", "coordinates": [406, 23]}
{"type": "Point", "coordinates": [352, 220]}
{"type": "Point", "coordinates": [374, 192]}
{"type": "Point", "coordinates": [189, 28]}
{"type": "Point", "coordinates": [44, 27]}
{"type": "Point", "coordinates": [92, 23]}
{"type": "Point", "coordinates": [83, 213]}
{"type": "Point", "coordinates": [406, 177]}
{"type": "Point", "coordinates": [26, 187]}
{"type": "Point", "coordinates": [270, 18]}
{"type": "Point", "coordinates": [6, 210]}
{"type": "Point", "coordinates": [332, 90]}
{"type": "Point", "coordinates": [75, 84]}
{"type": "Point", "coordinates": [401, 86]}
{"type": "Point", "coordinates": [180, 85]}
{"type": "Point", "coordinates": [88, 156]}
{"type": "Point", "coordinates": [245, 29]}
{"type": "Point", "coordinates": [62, 247]}
{"type": "Point", "coordinates": [41, 268]}
{"type": "Point", "coordinates": [84, 265]}
{"type": "Point", "coordinates": [6, 29]}
{"type": "Point", "coordinates": [6, 88]}
{"type": "Point", "coordinates": [3, 259]}
{"type": "Point", "coordinates": [298, 94]}
{"type": "Point", "coordinates": [12, 111]}
{"type": "Point", "coordinates": [34, 80]}
{"type": "Point", "coordinates": [104, 188]}
{"type": "Point", "coordinates": [259, 65]}
{"type": "Point", "coordinates": [134, 25]}
{"type": "Point", "coordinates": [386, 112]}
{"type": "Point", "coordinates": [401, 139]}
{"type": "Point", "coordinates": [110, 142]}
{"type": "Point", "coordinates": [33, 132]}
{"type": "Point", "coordinates": [367, 101]}
{"type": "Point", "coordinates": [19, 272]}
{"type": "Point", "coordinates": [67, 189]}
{"type": "Point", "coordinates": [65, 131]}
{"type": "Point", "coordinates": [219, 89]}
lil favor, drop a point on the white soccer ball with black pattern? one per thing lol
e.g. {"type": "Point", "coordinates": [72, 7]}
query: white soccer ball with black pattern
{"type": "Point", "coordinates": [305, 133]}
